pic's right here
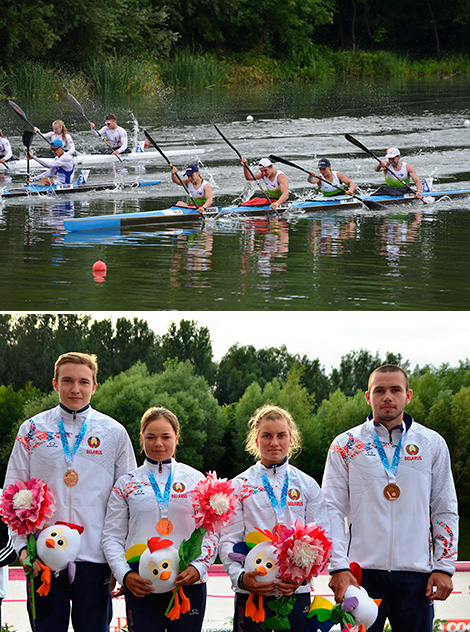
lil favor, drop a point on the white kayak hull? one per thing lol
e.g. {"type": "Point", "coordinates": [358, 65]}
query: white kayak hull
{"type": "Point", "coordinates": [96, 160]}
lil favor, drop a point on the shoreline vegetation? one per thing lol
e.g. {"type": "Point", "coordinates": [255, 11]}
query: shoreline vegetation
{"type": "Point", "coordinates": [189, 70]}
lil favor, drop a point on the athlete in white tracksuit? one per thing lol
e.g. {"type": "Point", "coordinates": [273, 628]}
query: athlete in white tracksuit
{"type": "Point", "coordinates": [103, 454]}
{"type": "Point", "coordinates": [152, 506]}
{"type": "Point", "coordinates": [402, 527]}
{"type": "Point", "coordinates": [133, 513]}
{"type": "Point", "coordinates": [304, 501]}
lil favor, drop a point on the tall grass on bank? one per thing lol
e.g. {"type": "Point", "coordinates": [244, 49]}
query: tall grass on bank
{"type": "Point", "coordinates": [121, 75]}
{"type": "Point", "coordinates": [39, 80]}
{"type": "Point", "coordinates": [186, 69]}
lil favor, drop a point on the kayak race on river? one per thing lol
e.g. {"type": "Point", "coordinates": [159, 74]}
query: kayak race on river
{"type": "Point", "coordinates": [247, 248]}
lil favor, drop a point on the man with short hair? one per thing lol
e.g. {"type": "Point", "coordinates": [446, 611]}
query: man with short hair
{"type": "Point", "coordinates": [114, 136]}
{"type": "Point", "coordinates": [62, 165]}
{"type": "Point", "coordinates": [391, 478]}
{"type": "Point", "coordinates": [275, 181]}
{"type": "Point", "coordinates": [395, 170]}
{"type": "Point", "coordinates": [80, 453]}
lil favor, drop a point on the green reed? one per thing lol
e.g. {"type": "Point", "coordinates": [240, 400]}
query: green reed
{"type": "Point", "coordinates": [186, 69]}
{"type": "Point", "coordinates": [120, 75]}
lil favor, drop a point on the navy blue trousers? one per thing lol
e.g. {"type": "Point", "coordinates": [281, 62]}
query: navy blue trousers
{"type": "Point", "coordinates": [88, 599]}
{"type": "Point", "coordinates": [297, 617]}
{"type": "Point", "coordinates": [404, 601]}
{"type": "Point", "coordinates": [147, 614]}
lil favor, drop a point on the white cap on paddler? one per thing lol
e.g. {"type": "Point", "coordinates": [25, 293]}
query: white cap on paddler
{"type": "Point", "coordinates": [265, 162]}
{"type": "Point", "coordinates": [392, 152]}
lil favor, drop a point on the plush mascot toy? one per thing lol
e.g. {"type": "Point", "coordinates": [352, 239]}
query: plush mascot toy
{"type": "Point", "coordinates": [57, 548]}
{"type": "Point", "coordinates": [258, 554]}
{"type": "Point", "coordinates": [159, 564]}
{"type": "Point", "coordinates": [357, 610]}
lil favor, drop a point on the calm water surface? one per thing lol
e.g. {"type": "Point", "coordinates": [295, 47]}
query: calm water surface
{"type": "Point", "coordinates": [408, 257]}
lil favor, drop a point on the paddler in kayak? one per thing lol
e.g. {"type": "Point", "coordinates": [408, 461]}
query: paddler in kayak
{"type": "Point", "coordinates": [275, 181]}
{"type": "Point", "coordinates": [200, 189]}
{"type": "Point", "coordinates": [61, 165]}
{"type": "Point", "coordinates": [332, 182]}
{"type": "Point", "coordinates": [58, 131]}
{"type": "Point", "coordinates": [115, 136]}
{"type": "Point", "coordinates": [394, 171]}
{"type": "Point", "coordinates": [5, 149]}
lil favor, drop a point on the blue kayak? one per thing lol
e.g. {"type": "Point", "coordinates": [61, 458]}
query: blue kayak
{"type": "Point", "coordinates": [178, 215]}
{"type": "Point", "coordinates": [53, 189]}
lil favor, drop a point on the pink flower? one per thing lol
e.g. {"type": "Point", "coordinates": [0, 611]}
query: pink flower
{"type": "Point", "coordinates": [27, 505]}
{"type": "Point", "coordinates": [213, 502]}
{"type": "Point", "coordinates": [302, 551]}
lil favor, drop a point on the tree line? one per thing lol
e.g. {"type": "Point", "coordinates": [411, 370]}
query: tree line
{"type": "Point", "coordinates": [76, 32]}
{"type": "Point", "coordinates": [214, 400]}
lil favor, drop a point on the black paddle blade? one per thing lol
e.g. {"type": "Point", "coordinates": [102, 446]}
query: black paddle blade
{"type": "Point", "coordinates": [373, 206]}
{"type": "Point", "coordinates": [354, 141]}
{"type": "Point", "coordinates": [18, 110]}
{"type": "Point", "coordinates": [27, 138]}
{"type": "Point", "coordinates": [74, 103]}
{"type": "Point", "coordinates": [152, 142]}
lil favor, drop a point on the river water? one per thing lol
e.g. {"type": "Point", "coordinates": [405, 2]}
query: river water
{"type": "Point", "coordinates": [405, 258]}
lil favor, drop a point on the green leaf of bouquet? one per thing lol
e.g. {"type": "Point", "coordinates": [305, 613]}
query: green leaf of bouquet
{"type": "Point", "coordinates": [276, 623]}
{"type": "Point", "coordinates": [191, 548]}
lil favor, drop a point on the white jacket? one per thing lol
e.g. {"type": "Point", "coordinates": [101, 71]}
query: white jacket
{"type": "Point", "coordinates": [392, 535]}
{"type": "Point", "coordinates": [305, 502]}
{"type": "Point", "coordinates": [105, 453]}
{"type": "Point", "coordinates": [133, 513]}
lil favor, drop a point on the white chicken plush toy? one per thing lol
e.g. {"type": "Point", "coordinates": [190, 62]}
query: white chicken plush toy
{"type": "Point", "coordinates": [159, 563]}
{"type": "Point", "coordinates": [261, 557]}
{"type": "Point", "coordinates": [57, 548]}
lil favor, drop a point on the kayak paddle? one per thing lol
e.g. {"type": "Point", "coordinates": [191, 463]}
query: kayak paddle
{"type": "Point", "coordinates": [22, 115]}
{"type": "Point", "coordinates": [150, 139]}
{"type": "Point", "coordinates": [373, 206]}
{"type": "Point", "coordinates": [354, 141]}
{"type": "Point", "coordinates": [73, 102]}
{"type": "Point", "coordinates": [27, 139]}
{"type": "Point", "coordinates": [265, 193]}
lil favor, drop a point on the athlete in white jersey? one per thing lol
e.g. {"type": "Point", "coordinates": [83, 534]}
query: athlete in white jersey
{"type": "Point", "coordinates": [275, 181]}
{"type": "Point", "coordinates": [59, 131]}
{"type": "Point", "coordinates": [394, 168]}
{"type": "Point", "coordinates": [5, 148]}
{"type": "Point", "coordinates": [115, 136]}
{"type": "Point", "coordinates": [62, 165]}
{"type": "Point", "coordinates": [200, 189]}
{"type": "Point", "coordinates": [331, 182]}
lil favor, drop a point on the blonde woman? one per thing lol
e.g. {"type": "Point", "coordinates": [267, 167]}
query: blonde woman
{"type": "Point", "coordinates": [59, 131]}
{"type": "Point", "coordinates": [270, 492]}
{"type": "Point", "coordinates": [154, 500]}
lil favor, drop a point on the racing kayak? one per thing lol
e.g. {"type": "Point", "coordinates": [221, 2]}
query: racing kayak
{"type": "Point", "coordinates": [177, 215]}
{"type": "Point", "coordinates": [95, 160]}
{"type": "Point", "coordinates": [29, 190]}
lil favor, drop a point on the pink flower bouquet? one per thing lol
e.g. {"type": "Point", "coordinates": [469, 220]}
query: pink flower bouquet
{"type": "Point", "coordinates": [26, 506]}
{"type": "Point", "coordinates": [213, 502]}
{"type": "Point", "coordinates": [303, 552]}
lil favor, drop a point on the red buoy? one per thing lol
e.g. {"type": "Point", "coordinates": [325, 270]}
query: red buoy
{"type": "Point", "coordinates": [99, 266]}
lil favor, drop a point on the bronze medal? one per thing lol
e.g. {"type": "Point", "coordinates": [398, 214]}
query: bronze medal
{"type": "Point", "coordinates": [392, 491]}
{"type": "Point", "coordinates": [70, 478]}
{"type": "Point", "coordinates": [164, 526]}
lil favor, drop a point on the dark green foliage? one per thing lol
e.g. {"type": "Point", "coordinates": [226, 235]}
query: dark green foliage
{"type": "Point", "coordinates": [76, 33]}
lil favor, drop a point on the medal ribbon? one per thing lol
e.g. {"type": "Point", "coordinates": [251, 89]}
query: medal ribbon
{"type": "Point", "coordinates": [390, 469]}
{"type": "Point", "coordinates": [65, 444]}
{"type": "Point", "coordinates": [278, 506]}
{"type": "Point", "coordinates": [162, 500]}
